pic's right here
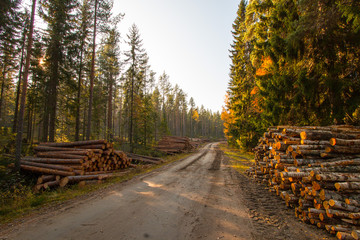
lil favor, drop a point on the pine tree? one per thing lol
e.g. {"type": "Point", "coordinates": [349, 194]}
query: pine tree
{"type": "Point", "coordinates": [59, 16]}
{"type": "Point", "coordinates": [83, 31]}
{"type": "Point", "coordinates": [102, 13]}
{"type": "Point", "coordinates": [109, 70]}
{"type": "Point", "coordinates": [24, 89]}
{"type": "Point", "coordinates": [133, 82]}
{"type": "Point", "coordinates": [11, 26]}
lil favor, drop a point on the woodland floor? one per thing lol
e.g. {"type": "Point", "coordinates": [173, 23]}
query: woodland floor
{"type": "Point", "coordinates": [199, 197]}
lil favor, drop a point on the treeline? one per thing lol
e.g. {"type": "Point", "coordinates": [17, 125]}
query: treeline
{"type": "Point", "coordinates": [83, 85]}
{"type": "Point", "coordinates": [293, 63]}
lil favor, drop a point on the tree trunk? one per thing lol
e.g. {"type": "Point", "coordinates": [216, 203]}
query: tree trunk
{"type": "Point", "coordinates": [24, 89]}
{"type": "Point", "coordinates": [2, 91]}
{"type": "Point", "coordinates": [45, 126]}
{"type": "Point", "coordinates": [110, 118]}
{"type": "Point", "coordinates": [92, 76]}
{"type": "Point", "coordinates": [78, 99]}
{"type": "Point", "coordinates": [131, 111]}
{"type": "Point", "coordinates": [29, 125]}
{"type": "Point", "coordinates": [19, 81]}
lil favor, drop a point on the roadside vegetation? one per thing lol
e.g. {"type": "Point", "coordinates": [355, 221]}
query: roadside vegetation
{"type": "Point", "coordinates": [239, 159]}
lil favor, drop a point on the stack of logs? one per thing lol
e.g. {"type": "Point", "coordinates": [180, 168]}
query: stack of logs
{"type": "Point", "coordinates": [174, 145]}
{"type": "Point", "coordinates": [316, 170]}
{"type": "Point", "coordinates": [73, 162]}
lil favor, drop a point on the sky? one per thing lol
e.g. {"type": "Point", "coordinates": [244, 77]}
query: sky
{"type": "Point", "coordinates": [188, 39]}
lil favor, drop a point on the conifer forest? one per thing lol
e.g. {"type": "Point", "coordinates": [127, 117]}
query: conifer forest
{"type": "Point", "coordinates": [65, 76]}
{"type": "Point", "coordinates": [293, 63]}
{"type": "Point", "coordinates": [99, 139]}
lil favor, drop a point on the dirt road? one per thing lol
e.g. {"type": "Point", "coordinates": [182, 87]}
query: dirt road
{"type": "Point", "coordinates": [200, 197]}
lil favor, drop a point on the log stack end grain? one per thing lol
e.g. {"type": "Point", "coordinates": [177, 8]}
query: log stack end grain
{"type": "Point", "coordinates": [315, 170]}
{"type": "Point", "coordinates": [73, 159]}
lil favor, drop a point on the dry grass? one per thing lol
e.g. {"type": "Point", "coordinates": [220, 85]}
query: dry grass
{"type": "Point", "coordinates": [239, 159]}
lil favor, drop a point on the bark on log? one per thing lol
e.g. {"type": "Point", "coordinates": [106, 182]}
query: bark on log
{"type": "Point", "coordinates": [97, 146]}
{"type": "Point", "coordinates": [331, 213]}
{"type": "Point", "coordinates": [354, 200]}
{"type": "Point", "coordinates": [323, 185]}
{"type": "Point", "coordinates": [325, 194]}
{"type": "Point", "coordinates": [341, 186]}
{"type": "Point", "coordinates": [41, 148]}
{"type": "Point", "coordinates": [326, 135]}
{"type": "Point", "coordinates": [355, 234]}
{"type": "Point", "coordinates": [294, 174]}
{"type": "Point", "coordinates": [351, 221]}
{"type": "Point", "coordinates": [46, 170]}
{"type": "Point", "coordinates": [73, 144]}
{"type": "Point", "coordinates": [342, 206]}
{"type": "Point", "coordinates": [344, 236]}
{"type": "Point", "coordinates": [53, 160]}
{"type": "Point", "coordinates": [51, 184]}
{"type": "Point", "coordinates": [352, 162]}
{"type": "Point", "coordinates": [314, 142]}
{"type": "Point", "coordinates": [50, 166]}
{"type": "Point", "coordinates": [338, 177]}
{"type": "Point", "coordinates": [310, 152]}
{"type": "Point", "coordinates": [46, 178]}
{"type": "Point", "coordinates": [80, 152]}
{"type": "Point", "coordinates": [355, 215]}
{"type": "Point", "coordinates": [341, 228]}
{"type": "Point", "coordinates": [59, 155]}
{"type": "Point", "coordinates": [342, 149]}
{"type": "Point", "coordinates": [345, 142]}
{"type": "Point", "coordinates": [71, 179]}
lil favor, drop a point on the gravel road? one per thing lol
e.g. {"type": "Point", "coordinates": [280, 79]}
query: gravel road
{"type": "Point", "coordinates": [200, 197]}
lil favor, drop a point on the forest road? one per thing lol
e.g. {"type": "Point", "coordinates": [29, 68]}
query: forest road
{"type": "Point", "coordinates": [194, 198]}
{"type": "Point", "coordinates": [199, 197]}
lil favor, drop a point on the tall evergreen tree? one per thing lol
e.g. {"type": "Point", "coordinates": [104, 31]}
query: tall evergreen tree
{"type": "Point", "coordinates": [24, 89]}
{"type": "Point", "coordinates": [133, 82]}
{"type": "Point", "coordinates": [83, 24]}
{"type": "Point", "coordinates": [59, 16]}
{"type": "Point", "coordinates": [110, 69]}
{"type": "Point", "coordinates": [102, 13]}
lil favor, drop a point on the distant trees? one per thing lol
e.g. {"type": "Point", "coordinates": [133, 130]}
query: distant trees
{"type": "Point", "coordinates": [292, 63]}
{"type": "Point", "coordinates": [80, 85]}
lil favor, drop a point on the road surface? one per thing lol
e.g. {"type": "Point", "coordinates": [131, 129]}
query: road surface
{"type": "Point", "coordinates": [200, 197]}
{"type": "Point", "coordinates": [194, 198]}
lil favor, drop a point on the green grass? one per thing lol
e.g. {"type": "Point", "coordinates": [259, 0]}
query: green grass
{"type": "Point", "coordinates": [19, 200]}
{"type": "Point", "coordinates": [240, 160]}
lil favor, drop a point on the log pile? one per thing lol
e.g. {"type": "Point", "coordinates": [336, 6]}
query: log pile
{"type": "Point", "coordinates": [315, 170]}
{"type": "Point", "coordinates": [174, 145]}
{"type": "Point", "coordinates": [61, 163]}
{"type": "Point", "coordinates": [136, 159]}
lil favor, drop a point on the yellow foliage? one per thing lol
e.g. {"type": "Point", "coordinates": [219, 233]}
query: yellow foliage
{"type": "Point", "coordinates": [195, 115]}
{"type": "Point", "coordinates": [228, 118]}
{"type": "Point", "coordinates": [265, 67]}
{"type": "Point", "coordinates": [254, 91]}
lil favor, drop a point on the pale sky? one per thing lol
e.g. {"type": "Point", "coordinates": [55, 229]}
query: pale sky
{"type": "Point", "coordinates": [188, 39]}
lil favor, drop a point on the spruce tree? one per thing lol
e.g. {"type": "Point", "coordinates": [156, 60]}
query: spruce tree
{"type": "Point", "coordinates": [133, 81]}
{"type": "Point", "coordinates": [59, 17]}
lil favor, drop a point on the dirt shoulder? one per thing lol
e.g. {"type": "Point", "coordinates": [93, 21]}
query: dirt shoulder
{"type": "Point", "coordinates": [68, 198]}
{"type": "Point", "coordinates": [270, 217]}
